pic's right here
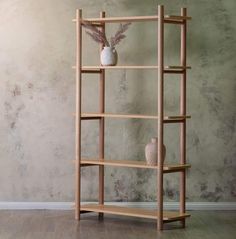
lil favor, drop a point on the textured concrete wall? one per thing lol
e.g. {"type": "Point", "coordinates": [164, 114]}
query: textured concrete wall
{"type": "Point", "coordinates": [37, 50]}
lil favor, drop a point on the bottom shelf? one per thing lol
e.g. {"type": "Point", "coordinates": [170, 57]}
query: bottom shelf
{"type": "Point", "coordinates": [134, 212]}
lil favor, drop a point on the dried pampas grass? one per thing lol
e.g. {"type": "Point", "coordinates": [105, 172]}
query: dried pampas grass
{"type": "Point", "coordinates": [100, 36]}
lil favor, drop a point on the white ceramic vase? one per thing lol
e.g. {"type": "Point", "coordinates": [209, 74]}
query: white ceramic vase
{"type": "Point", "coordinates": [151, 152]}
{"type": "Point", "coordinates": [109, 56]}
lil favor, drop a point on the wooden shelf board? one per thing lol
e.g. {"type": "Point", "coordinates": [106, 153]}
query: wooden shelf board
{"type": "Point", "coordinates": [133, 164]}
{"type": "Point", "coordinates": [168, 68]}
{"type": "Point", "coordinates": [134, 212]}
{"type": "Point", "coordinates": [167, 19]}
{"type": "Point", "coordinates": [134, 116]}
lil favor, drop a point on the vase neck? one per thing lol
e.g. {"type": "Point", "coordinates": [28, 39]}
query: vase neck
{"type": "Point", "coordinates": [109, 47]}
{"type": "Point", "coordinates": [154, 140]}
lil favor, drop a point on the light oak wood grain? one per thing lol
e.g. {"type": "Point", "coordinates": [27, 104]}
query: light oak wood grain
{"type": "Point", "coordinates": [158, 214]}
{"type": "Point", "coordinates": [133, 212]}
{"type": "Point", "coordinates": [78, 111]}
{"type": "Point", "coordinates": [167, 19]}
{"type": "Point", "coordinates": [101, 141]}
{"type": "Point", "coordinates": [167, 69]}
{"type": "Point", "coordinates": [183, 62]}
{"type": "Point", "coordinates": [160, 113]}
{"type": "Point", "coordinates": [133, 116]}
{"type": "Point", "coordinates": [167, 168]}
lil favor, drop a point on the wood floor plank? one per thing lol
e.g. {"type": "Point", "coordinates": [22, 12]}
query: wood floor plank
{"type": "Point", "coordinates": [45, 224]}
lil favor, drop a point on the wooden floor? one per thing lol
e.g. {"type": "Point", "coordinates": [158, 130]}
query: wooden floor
{"type": "Point", "coordinates": [37, 224]}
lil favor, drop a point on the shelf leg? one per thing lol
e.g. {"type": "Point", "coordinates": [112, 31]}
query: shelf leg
{"type": "Point", "coordinates": [160, 56]}
{"type": "Point", "coordinates": [101, 127]}
{"type": "Point", "coordinates": [78, 113]}
{"type": "Point", "coordinates": [183, 112]}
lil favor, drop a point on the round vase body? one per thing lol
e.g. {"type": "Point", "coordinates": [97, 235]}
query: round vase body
{"type": "Point", "coordinates": [109, 56]}
{"type": "Point", "coordinates": [151, 152]}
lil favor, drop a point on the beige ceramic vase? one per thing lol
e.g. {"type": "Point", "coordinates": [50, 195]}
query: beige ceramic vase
{"type": "Point", "coordinates": [109, 56]}
{"type": "Point", "coordinates": [151, 152]}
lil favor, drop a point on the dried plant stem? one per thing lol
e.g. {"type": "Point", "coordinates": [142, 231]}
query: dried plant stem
{"type": "Point", "coordinates": [119, 34]}
{"type": "Point", "coordinates": [100, 37]}
{"type": "Point", "coordinates": [96, 34]}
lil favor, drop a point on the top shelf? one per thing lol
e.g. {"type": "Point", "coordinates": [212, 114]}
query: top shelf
{"type": "Point", "coordinates": [167, 19]}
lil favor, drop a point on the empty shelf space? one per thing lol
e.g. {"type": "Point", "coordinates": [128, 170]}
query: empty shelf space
{"type": "Point", "coordinates": [133, 212]}
{"type": "Point", "coordinates": [167, 119]}
{"type": "Point", "coordinates": [133, 164]}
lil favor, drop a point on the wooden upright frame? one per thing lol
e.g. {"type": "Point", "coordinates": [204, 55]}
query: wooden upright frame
{"type": "Point", "coordinates": [158, 214]}
{"type": "Point", "coordinates": [101, 125]}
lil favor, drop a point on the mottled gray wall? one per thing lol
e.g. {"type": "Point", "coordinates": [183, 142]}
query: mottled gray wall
{"type": "Point", "coordinates": [37, 50]}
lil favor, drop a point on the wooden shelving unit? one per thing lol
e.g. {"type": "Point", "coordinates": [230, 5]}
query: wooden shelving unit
{"type": "Point", "coordinates": [158, 214]}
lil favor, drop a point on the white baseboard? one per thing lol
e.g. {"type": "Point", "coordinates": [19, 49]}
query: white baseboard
{"type": "Point", "coordinates": [69, 205]}
{"type": "Point", "coordinates": [36, 205]}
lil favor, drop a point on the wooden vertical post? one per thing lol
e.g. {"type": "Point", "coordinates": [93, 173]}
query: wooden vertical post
{"type": "Point", "coordinates": [160, 52]}
{"type": "Point", "coordinates": [78, 112]}
{"type": "Point", "coordinates": [101, 126]}
{"type": "Point", "coordinates": [183, 112]}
